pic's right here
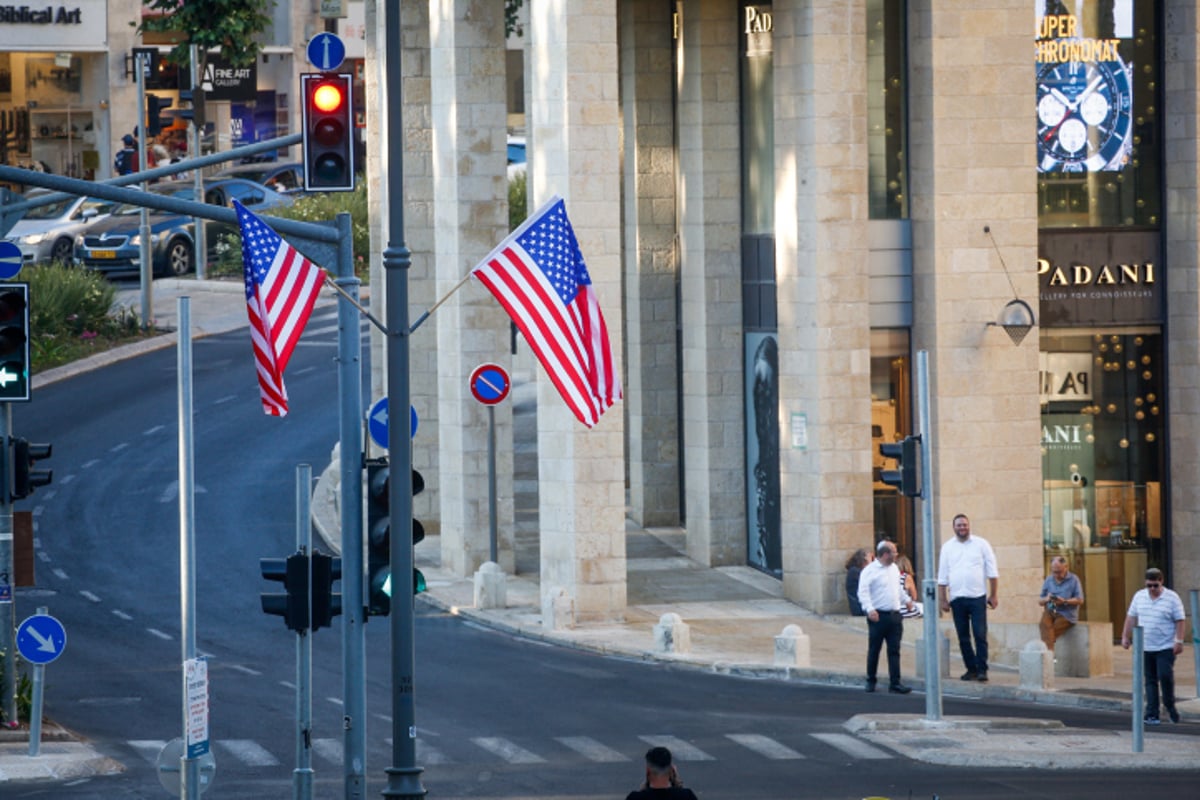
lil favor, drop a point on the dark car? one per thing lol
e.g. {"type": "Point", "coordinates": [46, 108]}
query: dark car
{"type": "Point", "coordinates": [113, 245]}
{"type": "Point", "coordinates": [281, 176]}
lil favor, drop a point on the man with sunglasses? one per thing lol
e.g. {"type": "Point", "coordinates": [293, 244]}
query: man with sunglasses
{"type": "Point", "coordinates": [1160, 613]}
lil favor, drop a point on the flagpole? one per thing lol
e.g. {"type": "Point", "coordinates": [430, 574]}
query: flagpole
{"type": "Point", "coordinates": [434, 307]}
{"type": "Point", "coordinates": [330, 283]}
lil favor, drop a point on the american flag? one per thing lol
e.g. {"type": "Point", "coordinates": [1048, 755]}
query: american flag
{"type": "Point", "coordinates": [281, 288]}
{"type": "Point", "coordinates": [539, 277]}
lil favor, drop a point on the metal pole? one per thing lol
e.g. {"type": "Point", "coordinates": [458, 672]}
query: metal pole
{"type": "Point", "coordinates": [933, 663]}
{"type": "Point", "coordinates": [354, 615]}
{"type": "Point", "coordinates": [145, 267]}
{"type": "Point", "coordinates": [1194, 602]}
{"type": "Point", "coordinates": [189, 768]}
{"type": "Point", "coordinates": [1139, 687]}
{"type": "Point", "coordinates": [8, 611]}
{"type": "Point", "coordinates": [35, 707]}
{"type": "Point", "coordinates": [404, 776]}
{"type": "Point", "coordinates": [493, 548]}
{"type": "Point", "coordinates": [302, 776]}
{"type": "Point", "coordinates": [200, 238]}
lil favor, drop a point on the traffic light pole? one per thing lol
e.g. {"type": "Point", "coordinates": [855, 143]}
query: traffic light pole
{"type": "Point", "coordinates": [404, 776]}
{"type": "Point", "coordinates": [933, 664]}
{"type": "Point", "coordinates": [302, 775]}
{"type": "Point", "coordinates": [145, 267]}
{"type": "Point", "coordinates": [8, 609]}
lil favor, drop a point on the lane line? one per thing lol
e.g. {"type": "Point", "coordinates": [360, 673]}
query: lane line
{"type": "Point", "coordinates": [591, 749]}
{"type": "Point", "coordinates": [855, 748]}
{"type": "Point", "coordinates": [509, 751]}
{"type": "Point", "coordinates": [160, 634]}
{"type": "Point", "coordinates": [249, 752]}
{"type": "Point", "coordinates": [765, 746]}
{"type": "Point", "coordinates": [680, 749]}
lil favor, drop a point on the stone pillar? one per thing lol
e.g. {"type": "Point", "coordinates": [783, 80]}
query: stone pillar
{"type": "Point", "coordinates": [651, 384]}
{"type": "Point", "coordinates": [575, 127]}
{"type": "Point", "coordinates": [1182, 152]}
{"type": "Point", "coordinates": [971, 163]}
{"type": "Point", "coordinates": [821, 269]}
{"type": "Point", "coordinates": [710, 283]}
{"type": "Point", "coordinates": [471, 217]}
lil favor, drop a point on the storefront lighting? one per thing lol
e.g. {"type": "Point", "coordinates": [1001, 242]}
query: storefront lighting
{"type": "Point", "coordinates": [1016, 317]}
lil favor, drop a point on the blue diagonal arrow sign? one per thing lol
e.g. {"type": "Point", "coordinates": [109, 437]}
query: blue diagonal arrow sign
{"type": "Point", "coordinates": [41, 639]}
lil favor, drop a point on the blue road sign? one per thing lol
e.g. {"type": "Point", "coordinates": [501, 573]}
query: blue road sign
{"type": "Point", "coordinates": [377, 422]}
{"type": "Point", "coordinates": [326, 52]}
{"type": "Point", "coordinates": [10, 260]}
{"type": "Point", "coordinates": [489, 383]}
{"type": "Point", "coordinates": [41, 639]}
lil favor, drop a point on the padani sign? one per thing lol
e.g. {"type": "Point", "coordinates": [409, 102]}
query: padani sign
{"type": "Point", "coordinates": [1099, 278]}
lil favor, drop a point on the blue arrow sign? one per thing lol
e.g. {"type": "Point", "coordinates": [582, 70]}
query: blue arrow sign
{"type": "Point", "coordinates": [10, 260]}
{"type": "Point", "coordinates": [377, 422]}
{"type": "Point", "coordinates": [326, 52]}
{"type": "Point", "coordinates": [41, 639]}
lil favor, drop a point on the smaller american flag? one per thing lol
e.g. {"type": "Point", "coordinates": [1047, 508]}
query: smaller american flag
{"type": "Point", "coordinates": [281, 288]}
{"type": "Point", "coordinates": [538, 275]}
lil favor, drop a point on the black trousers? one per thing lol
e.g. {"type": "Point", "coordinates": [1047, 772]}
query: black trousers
{"type": "Point", "coordinates": [890, 629]}
{"type": "Point", "coordinates": [1159, 668]}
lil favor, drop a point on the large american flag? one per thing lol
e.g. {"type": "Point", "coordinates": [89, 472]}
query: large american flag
{"type": "Point", "coordinates": [539, 277]}
{"type": "Point", "coordinates": [281, 288]}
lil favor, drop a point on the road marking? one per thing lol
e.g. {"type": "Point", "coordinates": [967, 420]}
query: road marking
{"type": "Point", "coordinates": [147, 748]}
{"type": "Point", "coordinates": [118, 448]}
{"type": "Point", "coordinates": [43, 555]}
{"type": "Point", "coordinates": [66, 478]}
{"type": "Point", "coordinates": [229, 398]}
{"type": "Point", "coordinates": [764, 746]}
{"type": "Point", "coordinates": [337, 701]}
{"type": "Point", "coordinates": [385, 717]}
{"type": "Point", "coordinates": [249, 752]}
{"type": "Point", "coordinates": [244, 669]}
{"type": "Point", "coordinates": [287, 684]}
{"type": "Point", "coordinates": [592, 750]}
{"type": "Point", "coordinates": [680, 749]}
{"type": "Point", "coordinates": [328, 749]}
{"type": "Point", "coordinates": [160, 634]}
{"type": "Point", "coordinates": [58, 571]}
{"type": "Point", "coordinates": [121, 614]}
{"type": "Point", "coordinates": [90, 463]}
{"type": "Point", "coordinates": [509, 751]}
{"type": "Point", "coordinates": [152, 431]}
{"type": "Point", "coordinates": [852, 747]}
{"type": "Point", "coordinates": [427, 753]}
{"type": "Point", "coordinates": [90, 596]}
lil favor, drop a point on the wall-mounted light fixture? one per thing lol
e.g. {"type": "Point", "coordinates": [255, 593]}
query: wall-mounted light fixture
{"type": "Point", "coordinates": [1016, 317]}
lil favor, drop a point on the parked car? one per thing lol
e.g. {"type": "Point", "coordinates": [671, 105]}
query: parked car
{"type": "Point", "coordinates": [113, 246]}
{"type": "Point", "coordinates": [281, 176]}
{"type": "Point", "coordinates": [516, 156]}
{"type": "Point", "coordinates": [47, 233]}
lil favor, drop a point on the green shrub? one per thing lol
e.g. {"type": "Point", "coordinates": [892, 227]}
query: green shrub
{"type": "Point", "coordinates": [517, 200]}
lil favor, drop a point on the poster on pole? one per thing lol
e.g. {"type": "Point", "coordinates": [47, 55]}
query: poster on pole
{"type": "Point", "coordinates": [196, 674]}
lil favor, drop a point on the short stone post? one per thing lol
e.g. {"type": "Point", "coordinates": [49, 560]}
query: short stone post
{"type": "Point", "coordinates": [672, 635]}
{"type": "Point", "coordinates": [1037, 666]}
{"type": "Point", "coordinates": [491, 590]}
{"type": "Point", "coordinates": [943, 651]}
{"type": "Point", "coordinates": [558, 609]}
{"type": "Point", "coordinates": [793, 648]}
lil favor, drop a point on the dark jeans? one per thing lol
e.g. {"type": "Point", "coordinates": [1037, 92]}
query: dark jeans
{"type": "Point", "coordinates": [970, 616]}
{"type": "Point", "coordinates": [890, 629]}
{"type": "Point", "coordinates": [1160, 669]}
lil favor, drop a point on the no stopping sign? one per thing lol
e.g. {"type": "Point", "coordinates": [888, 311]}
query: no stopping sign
{"type": "Point", "coordinates": [490, 384]}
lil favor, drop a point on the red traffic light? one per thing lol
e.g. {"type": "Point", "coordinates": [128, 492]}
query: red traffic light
{"type": "Point", "coordinates": [328, 132]}
{"type": "Point", "coordinates": [328, 97]}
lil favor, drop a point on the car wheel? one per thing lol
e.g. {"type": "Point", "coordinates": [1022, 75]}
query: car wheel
{"type": "Point", "coordinates": [62, 251]}
{"type": "Point", "coordinates": [179, 258]}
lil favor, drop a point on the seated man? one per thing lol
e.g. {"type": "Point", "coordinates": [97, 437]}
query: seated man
{"type": "Point", "coordinates": [1061, 598]}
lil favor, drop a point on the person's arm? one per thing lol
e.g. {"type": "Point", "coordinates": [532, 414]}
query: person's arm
{"type": "Point", "coordinates": [943, 580]}
{"type": "Point", "coordinates": [864, 592]}
{"type": "Point", "coordinates": [1179, 631]}
{"type": "Point", "coordinates": [1045, 595]}
{"type": "Point", "coordinates": [993, 600]}
{"type": "Point", "coordinates": [1130, 621]}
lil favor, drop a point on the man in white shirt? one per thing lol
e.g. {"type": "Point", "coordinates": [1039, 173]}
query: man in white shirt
{"type": "Point", "coordinates": [1159, 612]}
{"type": "Point", "coordinates": [880, 595]}
{"type": "Point", "coordinates": [967, 585]}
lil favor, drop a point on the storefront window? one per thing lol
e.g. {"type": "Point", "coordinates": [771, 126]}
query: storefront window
{"type": "Point", "coordinates": [891, 421]}
{"type": "Point", "coordinates": [758, 121]}
{"type": "Point", "coordinates": [1099, 121]}
{"type": "Point", "coordinates": [1103, 429]}
{"type": "Point", "coordinates": [887, 114]}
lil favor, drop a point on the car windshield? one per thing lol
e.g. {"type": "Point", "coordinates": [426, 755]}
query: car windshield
{"type": "Point", "coordinates": [181, 192]}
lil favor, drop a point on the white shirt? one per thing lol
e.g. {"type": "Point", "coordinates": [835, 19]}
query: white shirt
{"type": "Point", "coordinates": [964, 567]}
{"type": "Point", "coordinates": [1156, 618]}
{"type": "Point", "coordinates": [879, 587]}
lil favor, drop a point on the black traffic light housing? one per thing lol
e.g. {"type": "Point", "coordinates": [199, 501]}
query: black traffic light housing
{"type": "Point", "coordinates": [194, 97]}
{"type": "Point", "coordinates": [379, 539]}
{"type": "Point", "coordinates": [906, 478]}
{"type": "Point", "coordinates": [326, 604]}
{"type": "Point", "coordinates": [328, 131]}
{"type": "Point", "coordinates": [24, 477]}
{"type": "Point", "coordinates": [154, 109]}
{"type": "Point", "coordinates": [418, 531]}
{"type": "Point", "coordinates": [293, 604]}
{"type": "Point", "coordinates": [14, 342]}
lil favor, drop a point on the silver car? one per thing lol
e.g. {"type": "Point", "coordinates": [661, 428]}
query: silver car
{"type": "Point", "coordinates": [47, 233]}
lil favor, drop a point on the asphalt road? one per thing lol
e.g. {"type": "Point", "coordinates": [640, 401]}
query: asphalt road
{"type": "Point", "coordinates": [496, 717]}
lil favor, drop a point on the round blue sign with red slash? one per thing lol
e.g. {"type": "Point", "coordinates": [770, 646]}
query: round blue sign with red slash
{"type": "Point", "coordinates": [490, 384]}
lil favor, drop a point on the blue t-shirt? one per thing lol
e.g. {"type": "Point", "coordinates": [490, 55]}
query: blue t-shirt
{"type": "Point", "coordinates": [1067, 589]}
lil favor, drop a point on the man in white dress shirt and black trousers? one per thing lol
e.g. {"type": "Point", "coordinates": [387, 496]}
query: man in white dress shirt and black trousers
{"type": "Point", "coordinates": [967, 585]}
{"type": "Point", "coordinates": [879, 594]}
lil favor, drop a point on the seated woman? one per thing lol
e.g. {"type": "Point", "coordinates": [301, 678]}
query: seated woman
{"type": "Point", "coordinates": [854, 567]}
{"type": "Point", "coordinates": [908, 587]}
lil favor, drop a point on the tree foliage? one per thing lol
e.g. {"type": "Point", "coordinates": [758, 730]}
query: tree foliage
{"type": "Point", "coordinates": [233, 26]}
{"type": "Point", "coordinates": [511, 9]}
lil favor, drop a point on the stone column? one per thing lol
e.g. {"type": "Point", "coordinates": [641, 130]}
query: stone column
{"type": "Point", "coordinates": [1182, 153]}
{"type": "Point", "coordinates": [972, 164]}
{"type": "Point", "coordinates": [710, 283]}
{"type": "Point", "coordinates": [821, 252]}
{"type": "Point", "coordinates": [651, 384]}
{"type": "Point", "coordinates": [575, 127]}
{"type": "Point", "coordinates": [470, 194]}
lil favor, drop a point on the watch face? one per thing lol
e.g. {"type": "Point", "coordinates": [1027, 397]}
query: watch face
{"type": "Point", "coordinates": [1084, 120]}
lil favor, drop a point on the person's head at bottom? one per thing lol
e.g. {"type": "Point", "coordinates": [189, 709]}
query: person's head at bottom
{"type": "Point", "coordinates": [660, 772]}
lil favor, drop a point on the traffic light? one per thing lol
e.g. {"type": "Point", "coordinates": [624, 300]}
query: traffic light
{"type": "Point", "coordinates": [154, 108]}
{"type": "Point", "coordinates": [24, 477]}
{"type": "Point", "coordinates": [379, 544]}
{"type": "Point", "coordinates": [292, 605]}
{"type": "Point", "coordinates": [418, 531]}
{"type": "Point", "coordinates": [14, 341]}
{"type": "Point", "coordinates": [328, 132]}
{"type": "Point", "coordinates": [905, 478]}
{"type": "Point", "coordinates": [195, 114]}
{"type": "Point", "coordinates": [326, 604]}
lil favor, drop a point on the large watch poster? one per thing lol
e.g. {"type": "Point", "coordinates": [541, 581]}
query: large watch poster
{"type": "Point", "coordinates": [1084, 85]}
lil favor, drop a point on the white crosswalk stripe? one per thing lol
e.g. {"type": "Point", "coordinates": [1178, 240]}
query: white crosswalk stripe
{"type": "Point", "coordinates": [592, 750]}
{"type": "Point", "coordinates": [249, 752]}
{"type": "Point", "coordinates": [147, 748]}
{"type": "Point", "coordinates": [509, 751]}
{"type": "Point", "coordinates": [855, 748]}
{"type": "Point", "coordinates": [427, 753]}
{"type": "Point", "coordinates": [765, 746]}
{"type": "Point", "coordinates": [681, 750]}
{"type": "Point", "coordinates": [328, 749]}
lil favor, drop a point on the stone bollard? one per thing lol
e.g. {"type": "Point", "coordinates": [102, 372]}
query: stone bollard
{"type": "Point", "coordinates": [672, 635]}
{"type": "Point", "coordinates": [943, 651]}
{"type": "Point", "coordinates": [558, 609]}
{"type": "Point", "coordinates": [793, 648]}
{"type": "Point", "coordinates": [1037, 666]}
{"type": "Point", "coordinates": [490, 586]}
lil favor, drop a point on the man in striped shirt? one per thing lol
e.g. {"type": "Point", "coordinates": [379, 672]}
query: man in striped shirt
{"type": "Point", "coordinates": [1159, 612]}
